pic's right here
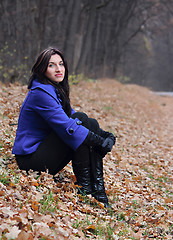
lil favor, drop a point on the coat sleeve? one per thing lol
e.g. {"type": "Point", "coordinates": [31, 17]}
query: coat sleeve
{"type": "Point", "coordinates": [50, 109]}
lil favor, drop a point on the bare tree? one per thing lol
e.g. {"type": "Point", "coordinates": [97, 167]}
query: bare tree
{"type": "Point", "coordinates": [147, 59]}
{"type": "Point", "coordinates": [96, 36]}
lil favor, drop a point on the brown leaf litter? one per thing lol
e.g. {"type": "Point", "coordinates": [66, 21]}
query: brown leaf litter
{"type": "Point", "coordinates": [138, 171]}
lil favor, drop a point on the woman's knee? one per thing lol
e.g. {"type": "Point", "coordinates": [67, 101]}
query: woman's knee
{"type": "Point", "coordinates": [82, 117]}
{"type": "Point", "coordinates": [79, 115]}
{"type": "Point", "coordinates": [93, 125]}
{"type": "Point", "coordinates": [87, 122]}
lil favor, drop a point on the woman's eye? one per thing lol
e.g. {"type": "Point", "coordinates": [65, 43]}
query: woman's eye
{"type": "Point", "coordinates": [61, 64]}
{"type": "Point", "coordinates": [50, 65]}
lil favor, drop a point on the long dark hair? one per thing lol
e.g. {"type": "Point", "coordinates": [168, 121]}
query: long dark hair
{"type": "Point", "coordinates": [38, 72]}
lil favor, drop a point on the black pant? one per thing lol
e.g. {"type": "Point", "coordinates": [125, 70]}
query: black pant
{"type": "Point", "coordinates": [53, 154]}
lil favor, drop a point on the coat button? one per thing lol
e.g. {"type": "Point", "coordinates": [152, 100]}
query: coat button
{"type": "Point", "coordinates": [71, 130]}
{"type": "Point", "coordinates": [79, 122]}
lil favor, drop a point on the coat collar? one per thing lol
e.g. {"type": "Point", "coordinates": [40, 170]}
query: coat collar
{"type": "Point", "coordinates": [45, 87]}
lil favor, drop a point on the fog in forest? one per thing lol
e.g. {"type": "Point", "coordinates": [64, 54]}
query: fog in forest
{"type": "Point", "coordinates": [130, 41]}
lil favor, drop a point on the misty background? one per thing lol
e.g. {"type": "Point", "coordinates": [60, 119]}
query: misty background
{"type": "Point", "coordinates": [128, 40]}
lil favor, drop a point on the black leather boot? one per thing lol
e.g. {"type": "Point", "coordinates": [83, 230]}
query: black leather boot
{"type": "Point", "coordinates": [97, 178]}
{"type": "Point", "coordinates": [82, 169]}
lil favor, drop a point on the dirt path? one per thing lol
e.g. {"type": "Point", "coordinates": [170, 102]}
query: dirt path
{"type": "Point", "coordinates": [133, 113]}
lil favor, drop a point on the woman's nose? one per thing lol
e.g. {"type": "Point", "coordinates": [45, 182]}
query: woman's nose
{"type": "Point", "coordinates": [57, 68]}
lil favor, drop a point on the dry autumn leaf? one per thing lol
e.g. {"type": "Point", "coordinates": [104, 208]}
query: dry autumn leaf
{"type": "Point", "coordinates": [137, 173]}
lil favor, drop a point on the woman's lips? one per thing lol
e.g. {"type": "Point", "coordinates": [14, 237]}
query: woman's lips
{"type": "Point", "coordinates": [58, 75]}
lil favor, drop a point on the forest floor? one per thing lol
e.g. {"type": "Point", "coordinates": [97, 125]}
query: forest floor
{"type": "Point", "coordinates": [138, 172]}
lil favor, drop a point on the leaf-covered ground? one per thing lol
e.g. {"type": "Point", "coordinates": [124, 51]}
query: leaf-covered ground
{"type": "Point", "coordinates": [138, 171]}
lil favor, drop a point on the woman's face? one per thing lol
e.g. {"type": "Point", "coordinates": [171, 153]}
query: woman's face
{"type": "Point", "coordinates": [55, 70]}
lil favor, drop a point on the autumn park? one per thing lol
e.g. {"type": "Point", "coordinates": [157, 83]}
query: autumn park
{"type": "Point", "coordinates": [128, 92]}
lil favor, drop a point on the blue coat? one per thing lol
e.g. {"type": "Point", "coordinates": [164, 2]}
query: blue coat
{"type": "Point", "coordinates": [42, 112]}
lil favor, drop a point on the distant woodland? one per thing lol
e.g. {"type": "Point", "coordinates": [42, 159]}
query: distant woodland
{"type": "Point", "coordinates": [129, 40]}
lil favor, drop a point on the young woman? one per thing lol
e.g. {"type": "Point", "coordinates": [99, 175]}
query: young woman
{"type": "Point", "coordinates": [50, 133]}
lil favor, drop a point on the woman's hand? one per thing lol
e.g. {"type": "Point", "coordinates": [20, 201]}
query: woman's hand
{"type": "Point", "coordinates": [108, 144]}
